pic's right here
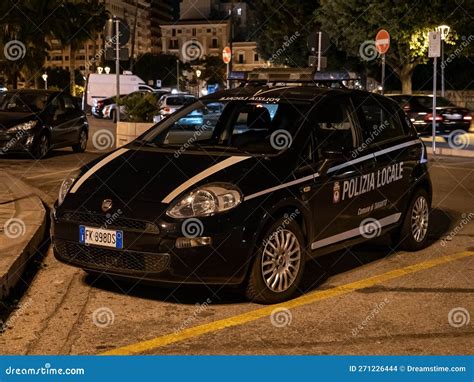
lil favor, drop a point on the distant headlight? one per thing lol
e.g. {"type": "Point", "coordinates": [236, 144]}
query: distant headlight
{"type": "Point", "coordinates": [206, 200]}
{"type": "Point", "coordinates": [66, 186]}
{"type": "Point", "coordinates": [22, 127]}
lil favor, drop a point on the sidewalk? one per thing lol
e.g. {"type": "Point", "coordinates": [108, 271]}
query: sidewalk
{"type": "Point", "coordinates": [22, 229]}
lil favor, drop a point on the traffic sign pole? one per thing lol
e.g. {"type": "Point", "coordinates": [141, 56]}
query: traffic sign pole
{"type": "Point", "coordinates": [383, 73]}
{"type": "Point", "coordinates": [117, 68]}
{"type": "Point", "coordinates": [434, 50]}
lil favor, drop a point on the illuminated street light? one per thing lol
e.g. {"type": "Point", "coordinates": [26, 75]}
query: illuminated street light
{"type": "Point", "coordinates": [45, 79]}
{"type": "Point", "coordinates": [100, 69]}
{"type": "Point", "coordinates": [444, 30]}
{"type": "Point", "coordinates": [107, 70]}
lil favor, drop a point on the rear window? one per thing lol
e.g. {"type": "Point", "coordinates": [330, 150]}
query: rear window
{"type": "Point", "coordinates": [178, 101]}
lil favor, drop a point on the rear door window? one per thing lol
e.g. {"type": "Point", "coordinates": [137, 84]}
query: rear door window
{"type": "Point", "coordinates": [380, 120]}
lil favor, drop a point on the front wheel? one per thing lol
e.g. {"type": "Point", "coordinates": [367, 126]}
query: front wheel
{"type": "Point", "coordinates": [413, 234]}
{"type": "Point", "coordinates": [278, 265]}
{"type": "Point", "coordinates": [81, 145]}
{"type": "Point", "coordinates": [41, 147]}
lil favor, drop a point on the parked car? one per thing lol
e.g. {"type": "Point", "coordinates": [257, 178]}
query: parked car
{"type": "Point", "coordinates": [168, 104]}
{"type": "Point", "coordinates": [100, 104]}
{"type": "Point", "coordinates": [276, 178]}
{"type": "Point", "coordinates": [449, 117]}
{"type": "Point", "coordinates": [36, 121]}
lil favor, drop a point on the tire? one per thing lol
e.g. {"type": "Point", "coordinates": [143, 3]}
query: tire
{"type": "Point", "coordinates": [113, 116]}
{"type": "Point", "coordinates": [266, 284]}
{"type": "Point", "coordinates": [81, 146]}
{"type": "Point", "coordinates": [41, 148]}
{"type": "Point", "coordinates": [414, 231]}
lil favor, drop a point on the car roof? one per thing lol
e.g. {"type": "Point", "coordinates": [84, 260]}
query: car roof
{"type": "Point", "coordinates": [37, 91]}
{"type": "Point", "coordinates": [290, 92]}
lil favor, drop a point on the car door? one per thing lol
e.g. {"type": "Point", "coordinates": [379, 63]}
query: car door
{"type": "Point", "coordinates": [386, 136]}
{"type": "Point", "coordinates": [343, 180]}
{"type": "Point", "coordinates": [73, 119]}
{"type": "Point", "coordinates": [56, 118]}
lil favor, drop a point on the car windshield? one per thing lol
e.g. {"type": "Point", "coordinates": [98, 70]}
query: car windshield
{"type": "Point", "coordinates": [23, 102]}
{"type": "Point", "coordinates": [252, 127]}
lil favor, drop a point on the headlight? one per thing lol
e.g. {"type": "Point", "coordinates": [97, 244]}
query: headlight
{"type": "Point", "coordinates": [206, 200]}
{"type": "Point", "coordinates": [66, 186]}
{"type": "Point", "coordinates": [22, 127]}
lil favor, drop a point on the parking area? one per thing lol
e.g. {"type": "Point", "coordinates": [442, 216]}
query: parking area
{"type": "Point", "coordinates": [370, 299]}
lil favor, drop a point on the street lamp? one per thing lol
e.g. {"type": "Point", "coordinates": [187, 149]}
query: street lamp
{"type": "Point", "coordinates": [198, 74]}
{"type": "Point", "coordinates": [444, 30]}
{"type": "Point", "coordinates": [107, 69]}
{"type": "Point", "coordinates": [100, 69]}
{"type": "Point", "coordinates": [45, 79]}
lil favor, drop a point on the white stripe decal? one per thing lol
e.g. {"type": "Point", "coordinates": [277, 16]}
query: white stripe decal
{"type": "Point", "coordinates": [353, 232]}
{"type": "Point", "coordinates": [288, 184]}
{"type": "Point", "coordinates": [202, 175]}
{"type": "Point", "coordinates": [332, 169]}
{"type": "Point", "coordinates": [96, 168]}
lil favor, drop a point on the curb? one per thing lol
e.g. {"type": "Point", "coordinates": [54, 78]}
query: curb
{"type": "Point", "coordinates": [30, 210]}
{"type": "Point", "coordinates": [444, 151]}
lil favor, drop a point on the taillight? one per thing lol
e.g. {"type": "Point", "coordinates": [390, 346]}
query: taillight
{"type": "Point", "coordinates": [429, 117]}
{"type": "Point", "coordinates": [166, 109]}
{"type": "Point", "coordinates": [100, 103]}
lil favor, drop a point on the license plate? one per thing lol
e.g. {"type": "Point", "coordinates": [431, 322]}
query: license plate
{"type": "Point", "coordinates": [453, 116]}
{"type": "Point", "coordinates": [101, 237]}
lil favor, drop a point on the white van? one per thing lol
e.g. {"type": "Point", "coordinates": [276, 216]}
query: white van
{"type": "Point", "coordinates": [102, 86]}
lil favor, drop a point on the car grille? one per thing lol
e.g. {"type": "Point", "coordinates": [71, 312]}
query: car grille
{"type": "Point", "coordinates": [110, 259]}
{"type": "Point", "coordinates": [110, 222]}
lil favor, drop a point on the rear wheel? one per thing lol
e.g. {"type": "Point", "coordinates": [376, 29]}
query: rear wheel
{"type": "Point", "coordinates": [81, 145]}
{"type": "Point", "coordinates": [113, 115]}
{"type": "Point", "coordinates": [41, 147]}
{"type": "Point", "coordinates": [413, 234]}
{"type": "Point", "coordinates": [278, 265]}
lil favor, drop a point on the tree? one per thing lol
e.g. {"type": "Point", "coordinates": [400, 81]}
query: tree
{"type": "Point", "coordinates": [152, 67]}
{"type": "Point", "coordinates": [213, 70]}
{"type": "Point", "coordinates": [353, 24]}
{"type": "Point", "coordinates": [281, 28]}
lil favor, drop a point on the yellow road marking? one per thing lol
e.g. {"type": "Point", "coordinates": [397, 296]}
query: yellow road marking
{"type": "Point", "coordinates": [309, 298]}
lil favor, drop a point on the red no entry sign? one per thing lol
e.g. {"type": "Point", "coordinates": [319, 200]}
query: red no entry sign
{"type": "Point", "coordinates": [382, 41]}
{"type": "Point", "coordinates": [226, 55]}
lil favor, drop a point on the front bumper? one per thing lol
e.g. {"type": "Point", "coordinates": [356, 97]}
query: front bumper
{"type": "Point", "coordinates": [150, 251]}
{"type": "Point", "coordinates": [21, 141]}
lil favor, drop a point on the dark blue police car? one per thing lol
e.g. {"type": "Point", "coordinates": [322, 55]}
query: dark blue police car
{"type": "Point", "coordinates": [273, 176]}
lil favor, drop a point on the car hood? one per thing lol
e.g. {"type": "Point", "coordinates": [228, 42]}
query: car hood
{"type": "Point", "coordinates": [9, 119]}
{"type": "Point", "coordinates": [142, 178]}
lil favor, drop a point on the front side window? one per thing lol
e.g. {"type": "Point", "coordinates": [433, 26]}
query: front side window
{"type": "Point", "coordinates": [333, 125]}
{"type": "Point", "coordinates": [228, 126]}
{"type": "Point", "coordinates": [23, 102]}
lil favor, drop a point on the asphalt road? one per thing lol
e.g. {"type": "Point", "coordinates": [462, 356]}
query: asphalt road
{"type": "Point", "coordinates": [419, 303]}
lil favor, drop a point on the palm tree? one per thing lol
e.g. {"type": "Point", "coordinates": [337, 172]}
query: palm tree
{"type": "Point", "coordinates": [85, 19]}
